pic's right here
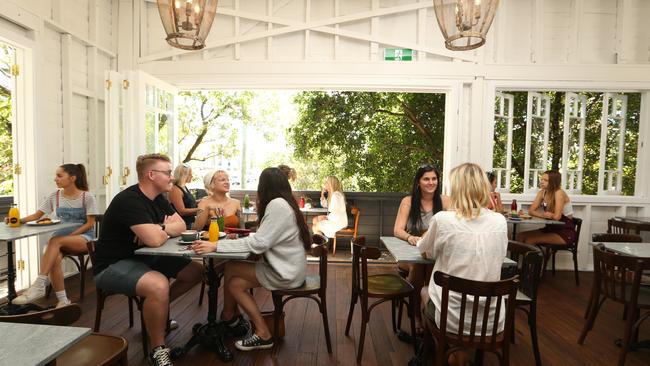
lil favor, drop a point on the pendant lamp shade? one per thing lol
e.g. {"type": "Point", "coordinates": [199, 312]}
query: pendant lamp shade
{"type": "Point", "coordinates": [187, 22]}
{"type": "Point", "coordinates": [464, 23]}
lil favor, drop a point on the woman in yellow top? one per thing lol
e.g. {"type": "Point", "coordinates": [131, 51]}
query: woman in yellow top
{"type": "Point", "coordinates": [217, 184]}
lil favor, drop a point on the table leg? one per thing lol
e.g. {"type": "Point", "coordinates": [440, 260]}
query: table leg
{"type": "Point", "coordinates": [210, 334]}
{"type": "Point", "coordinates": [514, 231]}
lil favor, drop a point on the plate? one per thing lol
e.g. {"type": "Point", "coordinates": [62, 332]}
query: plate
{"type": "Point", "coordinates": [36, 223]}
{"type": "Point", "coordinates": [204, 236]}
{"type": "Point", "coordinates": [515, 219]}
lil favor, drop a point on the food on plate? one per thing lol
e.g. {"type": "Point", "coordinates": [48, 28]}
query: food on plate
{"type": "Point", "coordinates": [44, 221]}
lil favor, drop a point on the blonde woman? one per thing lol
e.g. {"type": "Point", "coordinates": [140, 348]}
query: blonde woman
{"type": "Point", "coordinates": [337, 218]}
{"type": "Point", "coordinates": [180, 197]}
{"type": "Point", "coordinates": [217, 184]}
{"type": "Point", "coordinates": [467, 241]}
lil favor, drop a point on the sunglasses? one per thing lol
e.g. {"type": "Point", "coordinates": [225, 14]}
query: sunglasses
{"type": "Point", "coordinates": [426, 166]}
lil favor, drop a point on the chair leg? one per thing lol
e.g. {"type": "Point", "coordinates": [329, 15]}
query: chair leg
{"type": "Point", "coordinates": [130, 312]}
{"type": "Point", "coordinates": [591, 298]}
{"type": "Point", "coordinates": [575, 267]}
{"type": "Point", "coordinates": [532, 324]}
{"type": "Point", "coordinates": [393, 306]}
{"type": "Point", "coordinates": [480, 357]}
{"type": "Point", "coordinates": [353, 302]}
{"type": "Point", "coordinates": [413, 309]}
{"type": "Point", "coordinates": [400, 313]}
{"type": "Point", "coordinates": [83, 265]}
{"type": "Point", "coordinates": [334, 245]}
{"type": "Point", "coordinates": [100, 306]}
{"type": "Point", "coordinates": [277, 313]}
{"type": "Point", "coordinates": [326, 326]}
{"type": "Point", "coordinates": [627, 336]}
{"type": "Point", "coordinates": [553, 268]}
{"type": "Point", "coordinates": [362, 335]}
{"type": "Point", "coordinates": [143, 330]}
{"type": "Point", "coordinates": [201, 293]}
{"type": "Point", "coordinates": [589, 324]}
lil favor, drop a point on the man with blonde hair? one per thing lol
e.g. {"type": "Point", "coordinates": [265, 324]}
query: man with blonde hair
{"type": "Point", "coordinates": [141, 216]}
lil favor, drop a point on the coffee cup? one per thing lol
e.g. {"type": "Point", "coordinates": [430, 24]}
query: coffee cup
{"type": "Point", "coordinates": [189, 235]}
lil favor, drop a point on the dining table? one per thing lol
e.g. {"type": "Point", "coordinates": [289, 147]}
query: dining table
{"type": "Point", "coordinates": [529, 220]}
{"type": "Point", "coordinates": [36, 344]}
{"type": "Point", "coordinates": [314, 211]}
{"type": "Point", "coordinates": [209, 334]}
{"type": "Point", "coordinates": [9, 235]}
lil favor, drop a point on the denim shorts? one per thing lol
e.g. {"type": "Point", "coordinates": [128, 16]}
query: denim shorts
{"type": "Point", "coordinates": [122, 277]}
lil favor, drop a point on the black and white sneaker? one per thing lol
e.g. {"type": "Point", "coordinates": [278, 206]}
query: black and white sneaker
{"type": "Point", "coordinates": [160, 357]}
{"type": "Point", "coordinates": [237, 327]}
{"type": "Point", "coordinates": [254, 342]}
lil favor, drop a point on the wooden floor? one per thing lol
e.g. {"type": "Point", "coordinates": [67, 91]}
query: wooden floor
{"type": "Point", "coordinates": [561, 307]}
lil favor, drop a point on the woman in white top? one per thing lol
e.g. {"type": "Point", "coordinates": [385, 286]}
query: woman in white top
{"type": "Point", "coordinates": [337, 218]}
{"type": "Point", "coordinates": [553, 203]}
{"type": "Point", "coordinates": [70, 203]}
{"type": "Point", "coordinates": [282, 239]}
{"type": "Point", "coordinates": [467, 241]}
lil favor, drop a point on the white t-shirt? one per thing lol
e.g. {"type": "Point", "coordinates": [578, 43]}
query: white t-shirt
{"type": "Point", "coordinates": [471, 249]}
{"type": "Point", "coordinates": [49, 204]}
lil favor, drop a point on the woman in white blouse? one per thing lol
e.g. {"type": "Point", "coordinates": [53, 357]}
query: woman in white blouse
{"type": "Point", "coordinates": [467, 241]}
{"type": "Point", "coordinates": [337, 218]}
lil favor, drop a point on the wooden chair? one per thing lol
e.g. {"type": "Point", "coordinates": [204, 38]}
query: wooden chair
{"type": "Point", "coordinates": [101, 298]}
{"type": "Point", "coordinates": [528, 270]}
{"type": "Point", "coordinates": [80, 261]}
{"type": "Point", "coordinates": [616, 238]}
{"type": "Point", "coordinates": [615, 226]}
{"type": "Point", "coordinates": [477, 337]}
{"type": "Point", "coordinates": [315, 288]}
{"type": "Point", "coordinates": [384, 287]}
{"type": "Point", "coordinates": [95, 349]}
{"type": "Point", "coordinates": [551, 249]}
{"type": "Point", "coordinates": [348, 232]}
{"type": "Point", "coordinates": [618, 277]}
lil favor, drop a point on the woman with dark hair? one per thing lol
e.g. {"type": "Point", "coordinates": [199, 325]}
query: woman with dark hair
{"type": "Point", "coordinates": [495, 197]}
{"type": "Point", "coordinates": [70, 203]}
{"type": "Point", "coordinates": [282, 239]}
{"type": "Point", "coordinates": [553, 203]}
{"type": "Point", "coordinates": [413, 217]}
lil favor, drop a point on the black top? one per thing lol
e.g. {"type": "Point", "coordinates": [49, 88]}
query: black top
{"type": "Point", "coordinates": [129, 207]}
{"type": "Point", "coordinates": [189, 202]}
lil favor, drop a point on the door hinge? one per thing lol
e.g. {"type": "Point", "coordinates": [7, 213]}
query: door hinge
{"type": "Point", "coordinates": [18, 169]}
{"type": "Point", "coordinates": [15, 70]}
{"type": "Point", "coordinates": [109, 84]}
{"type": "Point", "coordinates": [20, 264]}
{"type": "Point", "coordinates": [125, 84]}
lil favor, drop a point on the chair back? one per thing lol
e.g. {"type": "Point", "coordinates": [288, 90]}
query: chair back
{"type": "Point", "coordinates": [98, 224]}
{"type": "Point", "coordinates": [615, 226]}
{"type": "Point", "coordinates": [577, 224]}
{"type": "Point", "coordinates": [91, 245]}
{"type": "Point", "coordinates": [482, 294]}
{"type": "Point", "coordinates": [356, 213]}
{"type": "Point", "coordinates": [319, 250]}
{"type": "Point", "coordinates": [619, 275]}
{"type": "Point", "coordinates": [64, 315]}
{"type": "Point", "coordinates": [529, 267]}
{"type": "Point", "coordinates": [360, 256]}
{"type": "Point", "coordinates": [615, 238]}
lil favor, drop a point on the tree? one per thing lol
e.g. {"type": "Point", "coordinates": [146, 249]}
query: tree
{"type": "Point", "coordinates": [6, 140]}
{"type": "Point", "coordinates": [374, 141]}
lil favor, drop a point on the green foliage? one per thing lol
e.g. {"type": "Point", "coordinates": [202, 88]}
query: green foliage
{"type": "Point", "coordinates": [373, 141]}
{"type": "Point", "coordinates": [6, 140]}
{"type": "Point", "coordinates": [591, 145]}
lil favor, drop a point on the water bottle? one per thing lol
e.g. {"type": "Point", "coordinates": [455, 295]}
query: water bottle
{"type": "Point", "coordinates": [301, 203]}
{"type": "Point", "coordinates": [14, 216]}
{"type": "Point", "coordinates": [213, 230]}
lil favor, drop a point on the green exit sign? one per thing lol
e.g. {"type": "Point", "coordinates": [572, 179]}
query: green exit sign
{"type": "Point", "coordinates": [398, 54]}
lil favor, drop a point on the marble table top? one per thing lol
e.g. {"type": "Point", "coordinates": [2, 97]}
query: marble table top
{"type": "Point", "coordinates": [174, 249]}
{"type": "Point", "coordinates": [641, 250]}
{"type": "Point", "coordinates": [534, 221]}
{"type": "Point", "coordinates": [35, 344]}
{"type": "Point", "coordinates": [23, 231]}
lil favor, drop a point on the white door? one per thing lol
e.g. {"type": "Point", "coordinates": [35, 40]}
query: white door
{"type": "Point", "coordinates": [118, 137]}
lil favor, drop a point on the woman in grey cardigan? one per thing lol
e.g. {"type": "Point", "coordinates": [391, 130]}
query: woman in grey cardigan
{"type": "Point", "coordinates": [282, 239]}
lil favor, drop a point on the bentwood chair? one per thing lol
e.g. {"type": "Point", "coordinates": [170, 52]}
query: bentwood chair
{"type": "Point", "coordinates": [552, 249]}
{"type": "Point", "coordinates": [383, 287]}
{"type": "Point", "coordinates": [615, 226]}
{"type": "Point", "coordinates": [529, 265]}
{"type": "Point", "coordinates": [95, 349]}
{"type": "Point", "coordinates": [348, 232]}
{"type": "Point", "coordinates": [315, 288]}
{"type": "Point", "coordinates": [618, 277]}
{"type": "Point", "coordinates": [474, 295]}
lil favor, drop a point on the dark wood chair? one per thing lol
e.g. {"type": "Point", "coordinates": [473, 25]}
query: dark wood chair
{"type": "Point", "coordinates": [101, 298]}
{"type": "Point", "coordinates": [384, 287]}
{"type": "Point", "coordinates": [478, 337]}
{"type": "Point", "coordinates": [529, 266]}
{"type": "Point", "coordinates": [615, 226]}
{"type": "Point", "coordinates": [95, 349]}
{"type": "Point", "coordinates": [552, 249]}
{"type": "Point", "coordinates": [81, 261]}
{"type": "Point", "coordinates": [618, 277]}
{"type": "Point", "coordinates": [348, 232]}
{"type": "Point", "coordinates": [315, 288]}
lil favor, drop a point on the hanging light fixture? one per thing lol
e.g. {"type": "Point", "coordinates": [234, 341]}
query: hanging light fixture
{"type": "Point", "coordinates": [464, 23]}
{"type": "Point", "coordinates": [187, 22]}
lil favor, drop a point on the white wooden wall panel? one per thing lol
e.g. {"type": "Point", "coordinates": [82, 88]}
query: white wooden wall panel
{"type": "Point", "coordinates": [79, 134]}
{"type": "Point", "coordinates": [105, 35]}
{"type": "Point", "coordinates": [42, 8]}
{"type": "Point", "coordinates": [79, 65]}
{"type": "Point", "coordinates": [597, 32]}
{"type": "Point", "coordinates": [74, 15]}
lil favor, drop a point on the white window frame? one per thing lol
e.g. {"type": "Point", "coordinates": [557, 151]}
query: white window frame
{"type": "Point", "coordinates": [502, 115]}
{"type": "Point", "coordinates": [610, 181]}
{"type": "Point", "coordinates": [538, 106]}
{"type": "Point", "coordinates": [575, 112]}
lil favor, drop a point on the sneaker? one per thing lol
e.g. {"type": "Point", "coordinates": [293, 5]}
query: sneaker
{"type": "Point", "coordinates": [61, 304]}
{"type": "Point", "coordinates": [237, 327]}
{"type": "Point", "coordinates": [254, 342]}
{"type": "Point", "coordinates": [160, 357]}
{"type": "Point", "coordinates": [32, 294]}
{"type": "Point", "coordinates": [173, 324]}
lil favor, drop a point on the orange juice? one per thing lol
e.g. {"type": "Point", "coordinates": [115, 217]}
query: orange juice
{"type": "Point", "coordinates": [213, 230]}
{"type": "Point", "coordinates": [14, 216]}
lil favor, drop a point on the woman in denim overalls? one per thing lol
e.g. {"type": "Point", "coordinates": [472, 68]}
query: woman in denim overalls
{"type": "Point", "coordinates": [70, 203]}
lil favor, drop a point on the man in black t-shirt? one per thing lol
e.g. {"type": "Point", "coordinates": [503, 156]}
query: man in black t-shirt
{"type": "Point", "coordinates": [141, 216]}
